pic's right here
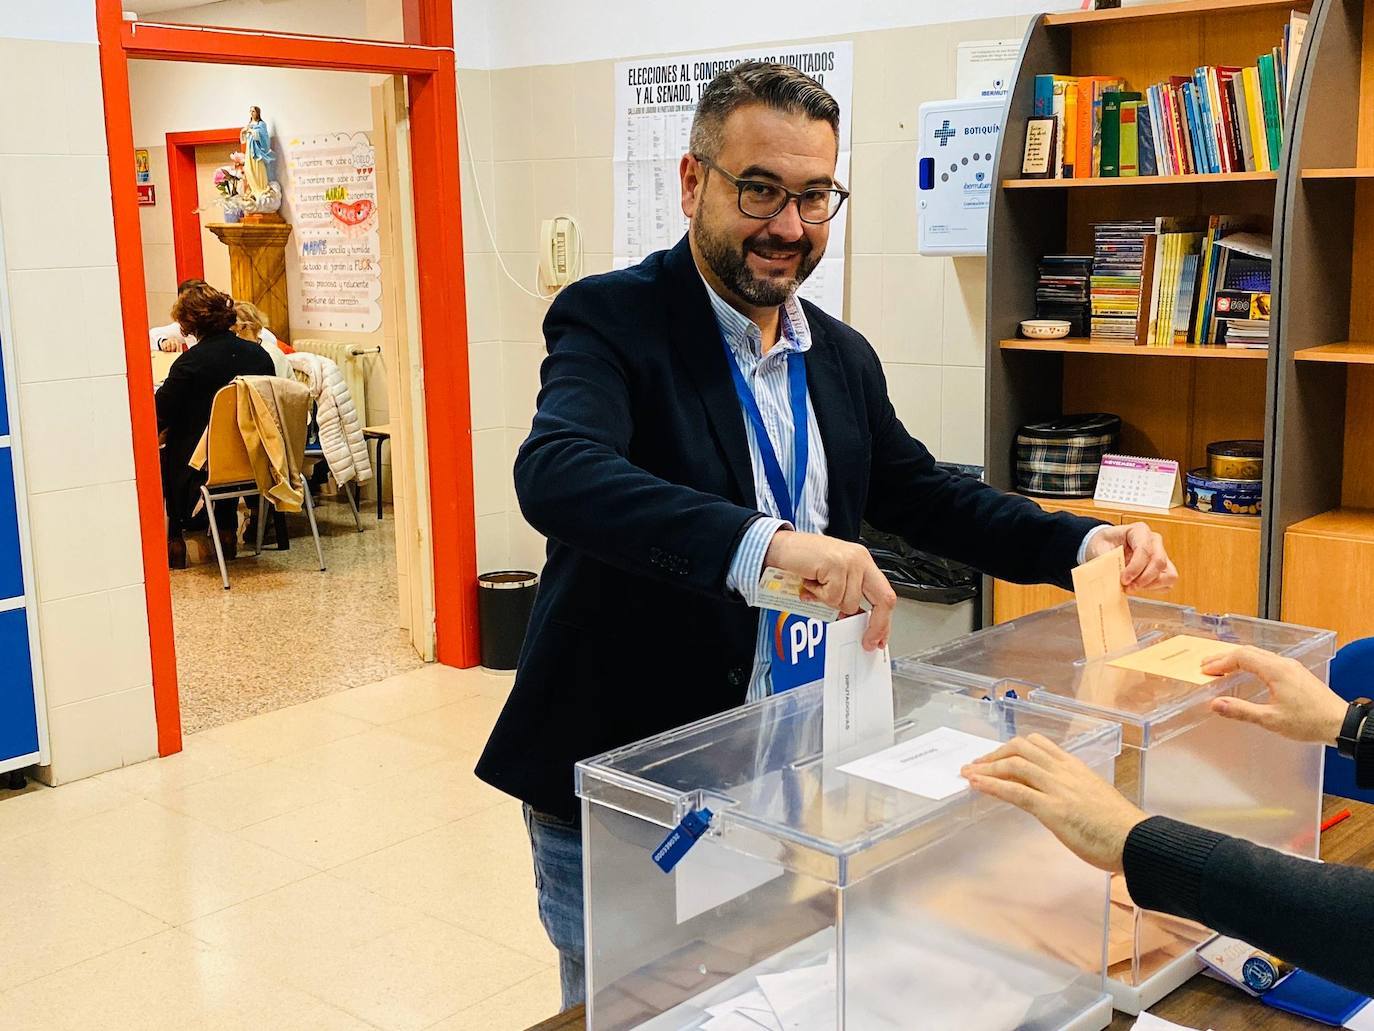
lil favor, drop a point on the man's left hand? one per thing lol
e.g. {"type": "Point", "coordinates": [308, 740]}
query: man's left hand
{"type": "Point", "coordinates": [1148, 566]}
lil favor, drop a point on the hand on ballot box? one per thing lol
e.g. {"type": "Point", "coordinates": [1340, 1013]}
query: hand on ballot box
{"type": "Point", "coordinates": [1148, 566]}
{"type": "Point", "coordinates": [1300, 706]}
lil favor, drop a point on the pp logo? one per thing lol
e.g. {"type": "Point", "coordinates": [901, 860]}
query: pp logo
{"type": "Point", "coordinates": [802, 636]}
{"type": "Point", "coordinates": [944, 134]}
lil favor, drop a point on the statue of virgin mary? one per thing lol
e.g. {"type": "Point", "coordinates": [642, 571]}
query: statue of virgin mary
{"type": "Point", "coordinates": [260, 192]}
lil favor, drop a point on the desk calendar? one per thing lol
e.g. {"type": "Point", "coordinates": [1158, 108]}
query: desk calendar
{"type": "Point", "coordinates": [1145, 482]}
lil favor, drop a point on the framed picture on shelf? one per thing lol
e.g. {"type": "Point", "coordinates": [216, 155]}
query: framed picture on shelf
{"type": "Point", "coordinates": [1037, 162]}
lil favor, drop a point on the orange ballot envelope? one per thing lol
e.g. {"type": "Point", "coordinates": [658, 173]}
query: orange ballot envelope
{"type": "Point", "coordinates": [1104, 616]}
{"type": "Point", "coordinates": [1178, 658]}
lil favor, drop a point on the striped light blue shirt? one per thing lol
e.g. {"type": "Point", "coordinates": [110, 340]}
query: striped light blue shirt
{"type": "Point", "coordinates": [767, 377]}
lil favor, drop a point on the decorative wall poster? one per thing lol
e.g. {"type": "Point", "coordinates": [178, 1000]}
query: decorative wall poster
{"type": "Point", "coordinates": [142, 167]}
{"type": "Point", "coordinates": [332, 193]}
{"type": "Point", "coordinates": [655, 99]}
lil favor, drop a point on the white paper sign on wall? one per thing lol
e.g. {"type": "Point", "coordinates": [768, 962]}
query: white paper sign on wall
{"type": "Point", "coordinates": [331, 188]}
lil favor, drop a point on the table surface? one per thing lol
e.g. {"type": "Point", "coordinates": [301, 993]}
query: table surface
{"type": "Point", "coordinates": [1203, 1002]}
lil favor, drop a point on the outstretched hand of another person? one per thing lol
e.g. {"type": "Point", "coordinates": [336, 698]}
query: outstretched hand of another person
{"type": "Point", "coordinates": [1300, 706]}
{"type": "Point", "coordinates": [1089, 816]}
{"type": "Point", "coordinates": [1148, 566]}
{"type": "Point", "coordinates": [837, 573]}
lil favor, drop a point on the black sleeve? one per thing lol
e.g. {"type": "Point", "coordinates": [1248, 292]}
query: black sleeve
{"type": "Point", "coordinates": [173, 397]}
{"type": "Point", "coordinates": [960, 517]}
{"type": "Point", "coordinates": [576, 484]}
{"type": "Point", "coordinates": [1319, 916]}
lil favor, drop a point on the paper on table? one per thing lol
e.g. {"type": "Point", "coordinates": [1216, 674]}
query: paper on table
{"type": "Point", "coordinates": [927, 765]}
{"type": "Point", "coordinates": [1363, 1020]}
{"type": "Point", "coordinates": [1149, 1022]}
{"type": "Point", "coordinates": [858, 689]}
{"type": "Point", "coordinates": [1178, 658]}
{"type": "Point", "coordinates": [802, 1000]}
{"type": "Point", "coordinates": [1104, 615]}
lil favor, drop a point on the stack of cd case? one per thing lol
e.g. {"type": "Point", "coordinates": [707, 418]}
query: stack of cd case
{"type": "Point", "coordinates": [1118, 254]}
{"type": "Point", "coordinates": [1063, 290]}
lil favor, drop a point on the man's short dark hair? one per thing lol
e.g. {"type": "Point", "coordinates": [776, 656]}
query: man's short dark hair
{"type": "Point", "coordinates": [778, 86]}
{"type": "Point", "coordinates": [186, 284]}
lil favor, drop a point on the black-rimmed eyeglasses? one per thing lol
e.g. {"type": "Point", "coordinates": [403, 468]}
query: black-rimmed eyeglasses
{"type": "Point", "coordinates": [761, 199]}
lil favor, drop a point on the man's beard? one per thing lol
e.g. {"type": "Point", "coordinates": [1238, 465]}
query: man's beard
{"type": "Point", "coordinates": [728, 260]}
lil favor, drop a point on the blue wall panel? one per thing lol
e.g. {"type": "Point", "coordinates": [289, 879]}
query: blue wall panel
{"type": "Point", "coordinates": [18, 724]}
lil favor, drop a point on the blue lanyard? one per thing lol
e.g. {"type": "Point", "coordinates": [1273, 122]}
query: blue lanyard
{"type": "Point", "coordinates": [788, 502]}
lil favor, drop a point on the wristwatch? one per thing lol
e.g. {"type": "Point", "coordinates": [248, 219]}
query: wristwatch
{"type": "Point", "coordinates": [1350, 728]}
{"type": "Point", "coordinates": [1364, 755]}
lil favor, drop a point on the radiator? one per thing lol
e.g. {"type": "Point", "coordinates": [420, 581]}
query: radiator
{"type": "Point", "coordinates": [349, 357]}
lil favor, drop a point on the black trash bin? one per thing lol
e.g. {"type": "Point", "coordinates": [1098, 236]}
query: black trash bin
{"type": "Point", "coordinates": [504, 601]}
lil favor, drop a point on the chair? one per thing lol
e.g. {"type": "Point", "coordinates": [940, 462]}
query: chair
{"type": "Point", "coordinates": [314, 453]}
{"type": "Point", "coordinates": [229, 474]}
{"type": "Point", "coordinates": [1352, 676]}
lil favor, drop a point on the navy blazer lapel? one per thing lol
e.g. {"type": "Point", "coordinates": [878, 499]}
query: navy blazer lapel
{"type": "Point", "coordinates": [846, 456]}
{"type": "Point", "coordinates": [695, 333]}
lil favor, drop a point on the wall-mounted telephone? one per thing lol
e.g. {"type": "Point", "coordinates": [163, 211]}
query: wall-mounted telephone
{"type": "Point", "coordinates": [560, 252]}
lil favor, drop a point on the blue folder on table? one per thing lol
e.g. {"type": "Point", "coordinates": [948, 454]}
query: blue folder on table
{"type": "Point", "coordinates": [1310, 996]}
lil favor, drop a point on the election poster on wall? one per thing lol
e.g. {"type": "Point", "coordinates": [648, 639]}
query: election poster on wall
{"type": "Point", "coordinates": [655, 99]}
{"type": "Point", "coordinates": [331, 191]}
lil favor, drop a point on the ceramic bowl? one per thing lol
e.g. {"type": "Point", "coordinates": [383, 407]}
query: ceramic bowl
{"type": "Point", "coordinates": [1044, 329]}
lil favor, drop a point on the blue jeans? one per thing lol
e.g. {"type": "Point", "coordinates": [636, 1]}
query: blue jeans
{"type": "Point", "coordinates": [557, 848]}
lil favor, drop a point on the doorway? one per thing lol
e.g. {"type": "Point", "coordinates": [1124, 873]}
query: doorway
{"type": "Point", "coordinates": [426, 63]}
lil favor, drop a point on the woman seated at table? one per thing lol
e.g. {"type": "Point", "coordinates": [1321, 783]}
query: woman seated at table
{"type": "Point", "coordinates": [250, 327]}
{"type": "Point", "coordinates": [171, 339]}
{"type": "Point", "coordinates": [1318, 916]}
{"type": "Point", "coordinates": [183, 408]}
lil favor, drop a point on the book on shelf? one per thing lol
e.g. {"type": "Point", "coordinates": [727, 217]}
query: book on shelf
{"type": "Point", "coordinates": [1118, 257]}
{"type": "Point", "coordinates": [1063, 290]}
{"type": "Point", "coordinates": [1220, 119]}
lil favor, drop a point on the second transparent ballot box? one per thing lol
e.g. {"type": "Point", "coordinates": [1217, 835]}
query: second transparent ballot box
{"type": "Point", "coordinates": [830, 900]}
{"type": "Point", "coordinates": [1178, 759]}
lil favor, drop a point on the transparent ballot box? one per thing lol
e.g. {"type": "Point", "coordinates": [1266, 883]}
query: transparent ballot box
{"type": "Point", "coordinates": [831, 901]}
{"type": "Point", "coordinates": [1178, 758]}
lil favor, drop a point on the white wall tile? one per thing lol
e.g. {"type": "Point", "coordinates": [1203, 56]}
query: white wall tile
{"type": "Point", "coordinates": [526, 544]}
{"type": "Point", "coordinates": [475, 114]}
{"type": "Point", "coordinates": [76, 433]}
{"type": "Point", "coordinates": [488, 392]}
{"type": "Point", "coordinates": [962, 416]}
{"type": "Point", "coordinates": [594, 114]}
{"type": "Point", "coordinates": [514, 206]}
{"type": "Point", "coordinates": [913, 290]}
{"type": "Point", "coordinates": [915, 393]}
{"type": "Point", "coordinates": [865, 311]}
{"type": "Point", "coordinates": [553, 95]}
{"type": "Point", "coordinates": [483, 297]}
{"type": "Point", "coordinates": [965, 291]}
{"type": "Point", "coordinates": [478, 186]}
{"type": "Point", "coordinates": [83, 115]}
{"type": "Point", "coordinates": [555, 193]}
{"type": "Point", "coordinates": [86, 540]}
{"type": "Point", "coordinates": [37, 125]}
{"type": "Point", "coordinates": [521, 374]}
{"type": "Point", "coordinates": [491, 472]}
{"type": "Point", "coordinates": [870, 73]}
{"type": "Point", "coordinates": [160, 275]}
{"type": "Point", "coordinates": [493, 542]}
{"type": "Point", "coordinates": [899, 198]}
{"type": "Point", "coordinates": [866, 215]}
{"type": "Point", "coordinates": [512, 114]}
{"type": "Point", "coordinates": [596, 262]}
{"type": "Point", "coordinates": [514, 439]}
{"type": "Point", "coordinates": [102, 734]}
{"type": "Point", "coordinates": [94, 644]}
{"type": "Point", "coordinates": [596, 203]}
{"type": "Point", "coordinates": [522, 315]}
{"type": "Point", "coordinates": [86, 339]}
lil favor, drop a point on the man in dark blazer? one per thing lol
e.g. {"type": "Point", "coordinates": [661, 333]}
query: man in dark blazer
{"type": "Point", "coordinates": [677, 398]}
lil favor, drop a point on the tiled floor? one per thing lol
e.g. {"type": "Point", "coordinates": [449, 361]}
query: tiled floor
{"type": "Point", "coordinates": [333, 865]}
{"type": "Point", "coordinates": [285, 632]}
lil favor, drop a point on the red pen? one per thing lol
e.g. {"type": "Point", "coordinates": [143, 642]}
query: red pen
{"type": "Point", "coordinates": [1344, 814]}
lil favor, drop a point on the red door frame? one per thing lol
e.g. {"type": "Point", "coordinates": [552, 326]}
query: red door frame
{"type": "Point", "coordinates": [427, 60]}
{"type": "Point", "coordinates": [183, 195]}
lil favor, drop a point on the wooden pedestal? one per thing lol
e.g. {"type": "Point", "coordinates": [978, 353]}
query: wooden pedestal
{"type": "Point", "coordinates": [257, 268]}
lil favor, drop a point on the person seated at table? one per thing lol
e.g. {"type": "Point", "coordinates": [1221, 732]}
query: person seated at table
{"type": "Point", "coordinates": [170, 337]}
{"type": "Point", "coordinates": [250, 327]}
{"type": "Point", "coordinates": [1318, 916]}
{"type": "Point", "coordinates": [183, 408]}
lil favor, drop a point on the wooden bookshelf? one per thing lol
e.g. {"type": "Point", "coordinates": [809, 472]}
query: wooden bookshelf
{"type": "Point", "coordinates": [1338, 173]}
{"type": "Point", "coordinates": [1138, 181]}
{"type": "Point", "coordinates": [1177, 9]}
{"type": "Point", "coordinates": [1321, 520]}
{"type": "Point", "coordinates": [1172, 409]}
{"type": "Point", "coordinates": [1347, 352]}
{"type": "Point", "coordinates": [1088, 345]}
